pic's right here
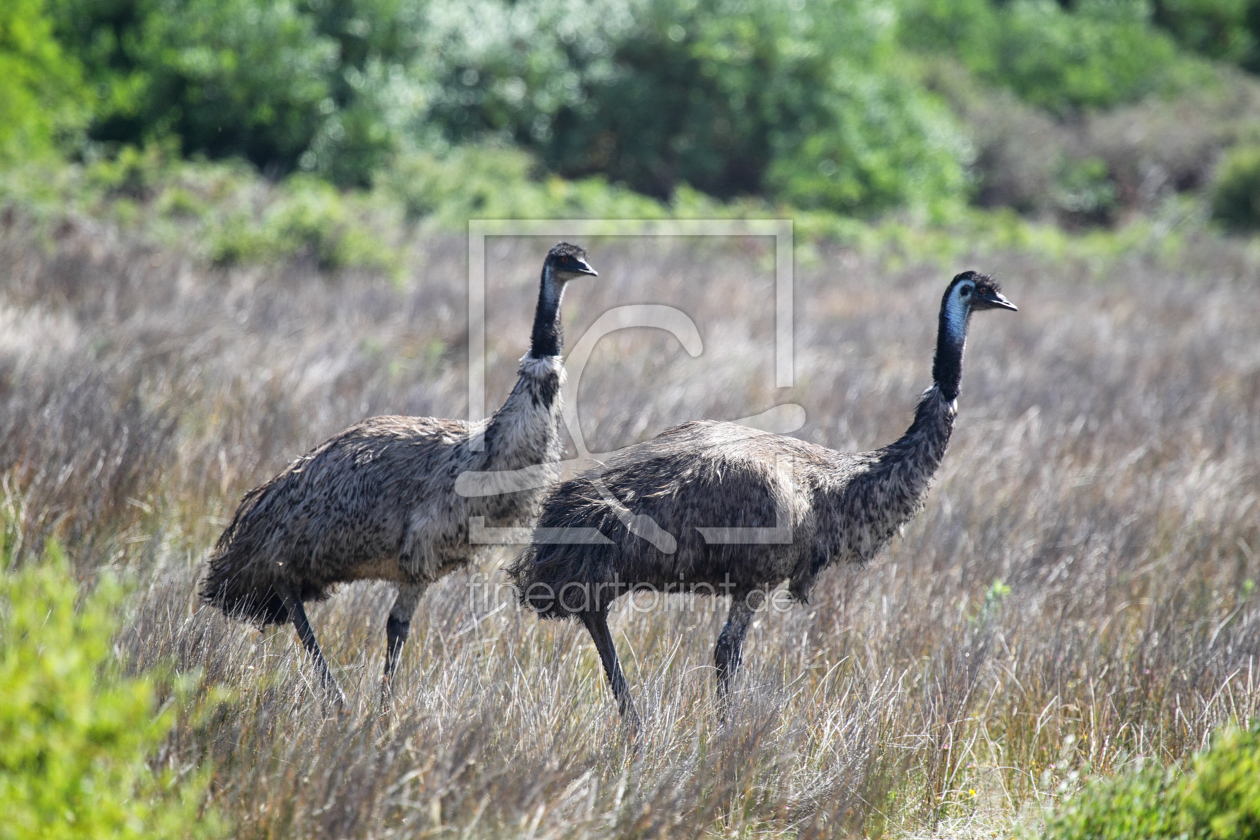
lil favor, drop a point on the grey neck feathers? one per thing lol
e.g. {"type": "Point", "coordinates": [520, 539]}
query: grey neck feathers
{"type": "Point", "coordinates": [547, 338]}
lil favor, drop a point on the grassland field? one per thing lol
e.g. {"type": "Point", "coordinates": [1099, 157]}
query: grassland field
{"type": "Point", "coordinates": [1078, 596]}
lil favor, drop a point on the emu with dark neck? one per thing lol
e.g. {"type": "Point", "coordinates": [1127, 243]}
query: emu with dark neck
{"type": "Point", "coordinates": [748, 510]}
{"type": "Point", "coordinates": [547, 338]}
{"type": "Point", "coordinates": [378, 501]}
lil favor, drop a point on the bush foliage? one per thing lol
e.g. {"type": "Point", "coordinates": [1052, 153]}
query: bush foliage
{"type": "Point", "coordinates": [1098, 55]}
{"type": "Point", "coordinates": [820, 105]}
{"type": "Point", "coordinates": [834, 106]}
{"type": "Point", "coordinates": [1217, 798]}
{"type": "Point", "coordinates": [1236, 193]}
{"type": "Point", "coordinates": [43, 94]}
{"type": "Point", "coordinates": [75, 735]}
{"type": "Point", "coordinates": [731, 97]}
{"type": "Point", "coordinates": [1222, 29]}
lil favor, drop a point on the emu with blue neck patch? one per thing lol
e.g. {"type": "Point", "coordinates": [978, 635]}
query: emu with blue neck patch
{"type": "Point", "coordinates": [951, 337]}
{"type": "Point", "coordinates": [834, 507]}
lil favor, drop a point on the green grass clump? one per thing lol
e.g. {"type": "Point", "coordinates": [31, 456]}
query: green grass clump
{"type": "Point", "coordinates": [75, 735]}
{"type": "Point", "coordinates": [223, 212]}
{"type": "Point", "coordinates": [485, 181]}
{"type": "Point", "coordinates": [1217, 799]}
{"type": "Point", "coordinates": [310, 220]}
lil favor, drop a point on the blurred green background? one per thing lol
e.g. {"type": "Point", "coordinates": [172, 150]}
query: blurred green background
{"type": "Point", "coordinates": [1082, 113]}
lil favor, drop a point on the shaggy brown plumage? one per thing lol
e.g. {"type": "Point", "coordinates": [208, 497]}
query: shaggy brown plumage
{"type": "Point", "coordinates": [378, 500]}
{"type": "Point", "coordinates": [811, 507]}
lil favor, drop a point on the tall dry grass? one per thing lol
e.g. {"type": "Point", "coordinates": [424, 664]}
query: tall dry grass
{"type": "Point", "coordinates": [1078, 595]}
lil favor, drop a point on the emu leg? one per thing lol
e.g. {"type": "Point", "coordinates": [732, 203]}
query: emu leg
{"type": "Point", "coordinates": [307, 635]}
{"type": "Point", "coordinates": [597, 625]}
{"type": "Point", "coordinates": [730, 643]}
{"type": "Point", "coordinates": [397, 628]}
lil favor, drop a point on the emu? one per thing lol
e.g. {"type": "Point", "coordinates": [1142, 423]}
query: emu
{"type": "Point", "coordinates": [742, 510]}
{"type": "Point", "coordinates": [378, 502]}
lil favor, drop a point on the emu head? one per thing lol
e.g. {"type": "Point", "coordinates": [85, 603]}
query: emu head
{"type": "Point", "coordinates": [568, 262]}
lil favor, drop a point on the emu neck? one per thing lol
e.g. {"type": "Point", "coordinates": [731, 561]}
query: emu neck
{"type": "Point", "coordinates": [524, 431]}
{"type": "Point", "coordinates": [951, 338]}
{"type": "Point", "coordinates": [923, 445]}
{"type": "Point", "coordinates": [906, 467]}
{"type": "Point", "coordinates": [547, 338]}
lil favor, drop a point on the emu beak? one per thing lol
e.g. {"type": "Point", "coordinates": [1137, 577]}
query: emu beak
{"type": "Point", "coordinates": [583, 267]}
{"type": "Point", "coordinates": [994, 300]}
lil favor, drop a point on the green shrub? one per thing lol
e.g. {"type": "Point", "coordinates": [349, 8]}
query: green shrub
{"type": "Point", "coordinates": [42, 96]}
{"type": "Point", "coordinates": [807, 104]}
{"type": "Point", "coordinates": [1096, 55]}
{"type": "Point", "coordinates": [1085, 192]}
{"type": "Point", "coordinates": [286, 85]}
{"type": "Point", "coordinates": [235, 77]}
{"type": "Point", "coordinates": [1220, 29]}
{"type": "Point", "coordinates": [878, 144]}
{"type": "Point", "coordinates": [134, 172]}
{"type": "Point", "coordinates": [76, 736]}
{"type": "Point", "coordinates": [467, 181]}
{"type": "Point", "coordinates": [491, 182]}
{"type": "Point", "coordinates": [1218, 798]}
{"type": "Point", "coordinates": [1134, 805]}
{"type": "Point", "coordinates": [1102, 54]}
{"type": "Point", "coordinates": [310, 220]}
{"type": "Point", "coordinates": [1236, 191]}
